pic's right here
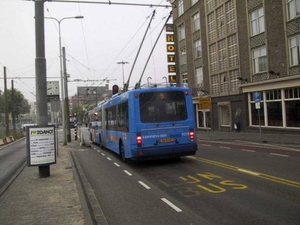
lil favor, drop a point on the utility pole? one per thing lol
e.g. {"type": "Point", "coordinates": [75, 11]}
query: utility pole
{"type": "Point", "coordinates": [13, 112]}
{"type": "Point", "coordinates": [40, 74]}
{"type": "Point", "coordinates": [6, 104]}
{"type": "Point", "coordinates": [67, 109]}
{"type": "Point", "coordinates": [122, 62]}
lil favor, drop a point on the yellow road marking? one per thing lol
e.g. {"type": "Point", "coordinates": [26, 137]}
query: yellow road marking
{"type": "Point", "coordinates": [249, 172]}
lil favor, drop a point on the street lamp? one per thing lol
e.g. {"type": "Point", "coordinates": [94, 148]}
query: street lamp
{"type": "Point", "coordinates": [123, 70]}
{"type": "Point", "coordinates": [63, 90]}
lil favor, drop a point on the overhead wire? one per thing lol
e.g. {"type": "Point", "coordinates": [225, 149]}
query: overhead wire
{"type": "Point", "coordinates": [130, 41]}
{"type": "Point", "coordinates": [84, 39]}
{"type": "Point", "coordinates": [113, 61]}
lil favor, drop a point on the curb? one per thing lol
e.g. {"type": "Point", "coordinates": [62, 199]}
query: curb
{"type": "Point", "coordinates": [96, 214]}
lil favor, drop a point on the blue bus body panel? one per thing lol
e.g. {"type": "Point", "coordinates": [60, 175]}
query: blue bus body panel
{"type": "Point", "coordinates": [159, 140]}
{"type": "Point", "coordinates": [164, 141]}
{"type": "Point", "coordinates": [170, 151]}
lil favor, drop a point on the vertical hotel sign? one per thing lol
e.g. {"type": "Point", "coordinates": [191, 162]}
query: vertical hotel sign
{"type": "Point", "coordinates": [171, 53]}
{"type": "Point", "coordinates": [41, 145]}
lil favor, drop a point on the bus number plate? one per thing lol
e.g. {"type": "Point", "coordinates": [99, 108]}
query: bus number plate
{"type": "Point", "coordinates": [165, 140]}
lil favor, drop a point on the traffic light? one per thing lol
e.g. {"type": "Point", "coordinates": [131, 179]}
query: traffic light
{"type": "Point", "coordinates": [115, 89]}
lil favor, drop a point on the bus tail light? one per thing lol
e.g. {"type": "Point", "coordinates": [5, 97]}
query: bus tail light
{"type": "Point", "coordinates": [192, 134]}
{"type": "Point", "coordinates": [139, 139]}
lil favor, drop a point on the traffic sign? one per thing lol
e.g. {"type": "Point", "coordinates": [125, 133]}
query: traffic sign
{"type": "Point", "coordinates": [205, 102]}
{"type": "Point", "coordinates": [257, 96]}
{"type": "Point", "coordinates": [257, 105]}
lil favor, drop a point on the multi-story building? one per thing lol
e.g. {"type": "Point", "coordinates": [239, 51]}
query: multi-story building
{"type": "Point", "coordinates": [244, 55]}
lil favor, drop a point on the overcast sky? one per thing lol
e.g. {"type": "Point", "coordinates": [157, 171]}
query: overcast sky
{"type": "Point", "coordinates": [108, 34]}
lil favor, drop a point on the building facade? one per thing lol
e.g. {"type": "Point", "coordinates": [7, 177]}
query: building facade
{"type": "Point", "coordinates": [244, 57]}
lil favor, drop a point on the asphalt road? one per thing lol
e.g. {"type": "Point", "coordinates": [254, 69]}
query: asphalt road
{"type": "Point", "coordinates": [12, 157]}
{"type": "Point", "coordinates": [225, 183]}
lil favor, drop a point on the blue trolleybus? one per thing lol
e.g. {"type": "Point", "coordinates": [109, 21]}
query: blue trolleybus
{"type": "Point", "coordinates": [152, 122]}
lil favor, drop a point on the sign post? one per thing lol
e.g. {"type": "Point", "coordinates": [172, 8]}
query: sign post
{"type": "Point", "coordinates": [257, 100]}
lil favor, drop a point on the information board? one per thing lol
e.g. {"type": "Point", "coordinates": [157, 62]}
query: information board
{"type": "Point", "coordinates": [205, 102]}
{"type": "Point", "coordinates": [41, 145]}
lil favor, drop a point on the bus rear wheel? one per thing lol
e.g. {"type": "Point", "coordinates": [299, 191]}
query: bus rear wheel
{"type": "Point", "coordinates": [100, 142]}
{"type": "Point", "coordinates": [122, 152]}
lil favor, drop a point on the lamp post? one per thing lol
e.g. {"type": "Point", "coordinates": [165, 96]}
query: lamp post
{"type": "Point", "coordinates": [63, 90]}
{"type": "Point", "coordinates": [123, 70]}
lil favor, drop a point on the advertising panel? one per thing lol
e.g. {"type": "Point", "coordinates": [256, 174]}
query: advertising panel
{"type": "Point", "coordinates": [41, 145]}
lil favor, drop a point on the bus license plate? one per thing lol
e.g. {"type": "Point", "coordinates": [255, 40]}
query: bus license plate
{"type": "Point", "coordinates": [165, 140]}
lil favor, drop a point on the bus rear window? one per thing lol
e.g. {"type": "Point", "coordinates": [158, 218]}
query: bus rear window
{"type": "Point", "coordinates": [162, 106]}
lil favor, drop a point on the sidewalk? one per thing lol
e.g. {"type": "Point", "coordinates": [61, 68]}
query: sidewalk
{"type": "Point", "coordinates": [54, 200]}
{"type": "Point", "coordinates": [278, 138]}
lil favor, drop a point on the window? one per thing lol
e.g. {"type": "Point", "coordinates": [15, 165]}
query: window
{"type": "Point", "coordinates": [232, 51]}
{"type": "Point", "coordinates": [230, 16]}
{"type": "Point", "coordinates": [257, 21]}
{"type": "Point", "coordinates": [162, 106]}
{"type": "Point", "coordinates": [196, 22]}
{"type": "Point", "coordinates": [278, 108]}
{"type": "Point", "coordinates": [111, 118]}
{"type": "Point", "coordinates": [193, 2]}
{"type": "Point", "coordinates": [180, 7]}
{"type": "Point", "coordinates": [222, 54]}
{"type": "Point", "coordinates": [258, 116]}
{"type": "Point", "coordinates": [211, 27]}
{"type": "Point", "coordinates": [293, 8]}
{"type": "Point", "coordinates": [204, 119]}
{"type": "Point", "coordinates": [199, 77]}
{"type": "Point", "coordinates": [224, 83]}
{"type": "Point", "coordinates": [259, 60]}
{"type": "Point", "coordinates": [183, 56]}
{"type": "Point", "coordinates": [233, 74]}
{"type": "Point", "coordinates": [122, 117]}
{"type": "Point", "coordinates": [197, 48]}
{"type": "Point", "coordinates": [292, 107]}
{"type": "Point", "coordinates": [184, 78]}
{"type": "Point", "coordinates": [294, 51]}
{"type": "Point", "coordinates": [220, 22]}
{"type": "Point", "coordinates": [181, 32]}
{"type": "Point", "coordinates": [215, 84]}
{"type": "Point", "coordinates": [213, 57]}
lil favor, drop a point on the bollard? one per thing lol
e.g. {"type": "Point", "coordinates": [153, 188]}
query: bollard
{"type": "Point", "coordinates": [75, 131]}
{"type": "Point", "coordinates": [82, 140]}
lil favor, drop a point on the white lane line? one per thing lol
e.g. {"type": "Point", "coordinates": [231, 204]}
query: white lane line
{"type": "Point", "coordinates": [224, 147]}
{"type": "Point", "coordinates": [171, 205]}
{"type": "Point", "coordinates": [279, 155]}
{"type": "Point", "coordinates": [247, 150]}
{"type": "Point", "coordinates": [103, 154]}
{"type": "Point", "coordinates": [206, 145]}
{"type": "Point", "coordinates": [98, 151]}
{"type": "Point", "coordinates": [117, 164]}
{"type": "Point", "coordinates": [249, 172]}
{"type": "Point", "coordinates": [129, 174]}
{"type": "Point", "coordinates": [144, 185]}
{"type": "Point", "coordinates": [108, 158]}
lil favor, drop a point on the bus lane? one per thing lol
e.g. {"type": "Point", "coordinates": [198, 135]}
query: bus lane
{"type": "Point", "coordinates": [226, 194]}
